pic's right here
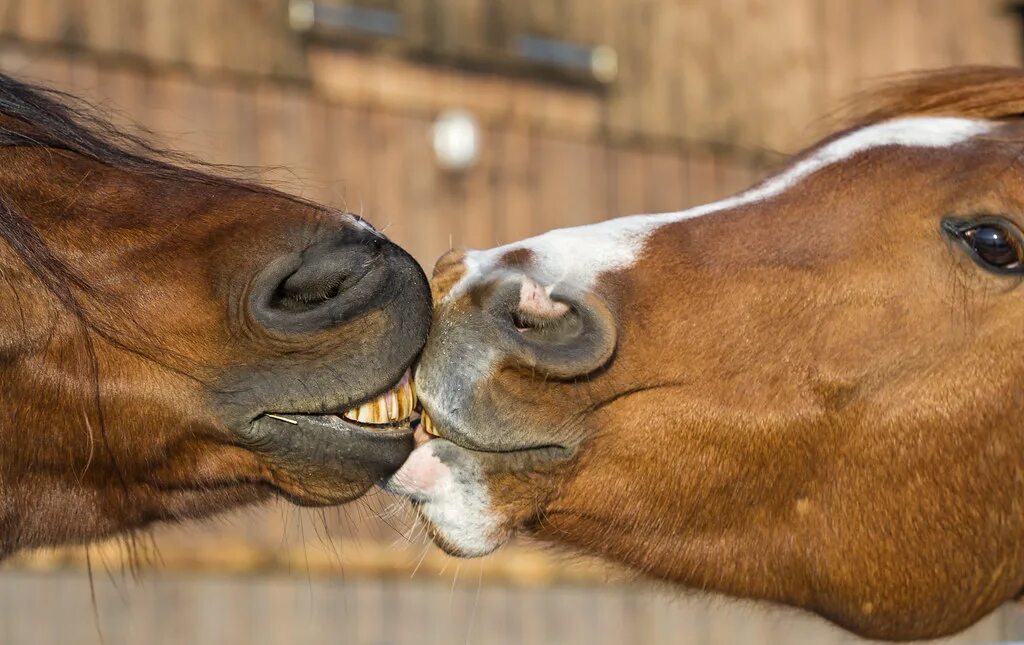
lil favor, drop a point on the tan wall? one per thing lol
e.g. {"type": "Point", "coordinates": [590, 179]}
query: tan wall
{"type": "Point", "coordinates": [181, 609]}
{"type": "Point", "coordinates": [708, 90]}
{"type": "Point", "coordinates": [757, 74]}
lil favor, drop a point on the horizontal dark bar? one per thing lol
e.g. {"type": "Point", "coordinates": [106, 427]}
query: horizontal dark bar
{"type": "Point", "coordinates": [373, 22]}
{"type": "Point", "coordinates": [553, 52]}
{"type": "Point", "coordinates": [596, 62]}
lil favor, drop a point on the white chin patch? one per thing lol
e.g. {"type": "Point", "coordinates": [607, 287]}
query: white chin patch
{"type": "Point", "coordinates": [454, 499]}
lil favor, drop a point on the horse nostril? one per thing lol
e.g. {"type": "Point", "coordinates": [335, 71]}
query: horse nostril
{"type": "Point", "coordinates": [330, 283]}
{"type": "Point", "coordinates": [313, 284]}
{"type": "Point", "coordinates": [536, 305]}
{"type": "Point", "coordinates": [559, 331]}
{"type": "Point", "coordinates": [534, 313]}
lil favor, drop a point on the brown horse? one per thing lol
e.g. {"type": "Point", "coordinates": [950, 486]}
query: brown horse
{"type": "Point", "coordinates": [810, 393]}
{"type": "Point", "coordinates": [153, 316]}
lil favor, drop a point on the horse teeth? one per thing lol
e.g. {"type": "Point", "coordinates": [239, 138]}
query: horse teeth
{"type": "Point", "coordinates": [428, 425]}
{"type": "Point", "coordinates": [395, 405]}
{"type": "Point", "coordinates": [391, 398]}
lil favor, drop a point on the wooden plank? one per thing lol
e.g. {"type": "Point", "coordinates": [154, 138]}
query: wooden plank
{"type": "Point", "coordinates": [623, 109]}
{"type": "Point", "coordinates": [103, 25]}
{"type": "Point", "coordinates": [978, 36]}
{"type": "Point", "coordinates": [52, 71]}
{"type": "Point", "coordinates": [559, 165]}
{"type": "Point", "coordinates": [797, 122]}
{"type": "Point", "coordinates": [479, 183]}
{"type": "Point", "coordinates": [283, 140]}
{"type": "Point", "coordinates": [169, 114]}
{"type": "Point", "coordinates": [838, 50]}
{"type": "Point", "coordinates": [695, 90]}
{"type": "Point", "coordinates": [934, 48]}
{"type": "Point", "coordinates": [389, 84]}
{"type": "Point", "coordinates": [244, 122]}
{"type": "Point", "coordinates": [665, 175]}
{"type": "Point", "coordinates": [875, 38]}
{"type": "Point", "coordinates": [997, 34]}
{"type": "Point", "coordinates": [40, 20]}
{"type": "Point", "coordinates": [83, 81]}
{"type": "Point", "coordinates": [465, 31]}
{"type": "Point", "coordinates": [163, 29]}
{"type": "Point", "coordinates": [676, 621]}
{"type": "Point", "coordinates": [904, 48]}
{"type": "Point", "coordinates": [347, 146]}
{"type": "Point", "coordinates": [703, 181]}
{"type": "Point", "coordinates": [630, 197]}
{"type": "Point", "coordinates": [514, 191]}
{"type": "Point", "coordinates": [660, 24]}
{"type": "Point", "coordinates": [732, 176]}
{"type": "Point", "coordinates": [10, 16]}
{"type": "Point", "coordinates": [417, 18]}
{"type": "Point", "coordinates": [430, 228]}
{"type": "Point", "coordinates": [223, 124]}
{"type": "Point", "coordinates": [544, 17]}
{"type": "Point", "coordinates": [207, 40]}
{"type": "Point", "coordinates": [394, 136]}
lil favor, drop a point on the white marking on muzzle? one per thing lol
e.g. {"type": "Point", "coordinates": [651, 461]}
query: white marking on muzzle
{"type": "Point", "coordinates": [456, 501]}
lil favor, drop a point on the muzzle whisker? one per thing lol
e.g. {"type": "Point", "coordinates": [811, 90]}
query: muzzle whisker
{"type": "Point", "coordinates": [419, 563]}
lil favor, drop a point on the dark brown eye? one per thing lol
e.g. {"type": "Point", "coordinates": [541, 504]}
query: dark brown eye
{"type": "Point", "coordinates": [993, 243]}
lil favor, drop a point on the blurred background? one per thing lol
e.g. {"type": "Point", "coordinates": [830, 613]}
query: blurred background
{"type": "Point", "coordinates": [452, 123]}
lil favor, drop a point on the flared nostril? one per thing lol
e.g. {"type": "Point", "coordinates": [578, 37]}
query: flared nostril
{"type": "Point", "coordinates": [536, 301]}
{"type": "Point", "coordinates": [315, 283]}
{"type": "Point", "coordinates": [556, 330]}
{"type": "Point", "coordinates": [326, 285]}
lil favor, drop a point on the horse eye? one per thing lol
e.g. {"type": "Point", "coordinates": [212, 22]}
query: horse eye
{"type": "Point", "coordinates": [994, 244]}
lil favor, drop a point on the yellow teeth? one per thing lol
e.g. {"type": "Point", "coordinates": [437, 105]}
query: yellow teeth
{"type": "Point", "coordinates": [392, 407]}
{"type": "Point", "coordinates": [428, 425]}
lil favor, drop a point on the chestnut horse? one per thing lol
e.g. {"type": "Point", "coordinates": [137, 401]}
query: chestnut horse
{"type": "Point", "coordinates": [810, 393]}
{"type": "Point", "coordinates": [154, 315]}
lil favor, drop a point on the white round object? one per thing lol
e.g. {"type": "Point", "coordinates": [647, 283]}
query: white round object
{"type": "Point", "coordinates": [456, 137]}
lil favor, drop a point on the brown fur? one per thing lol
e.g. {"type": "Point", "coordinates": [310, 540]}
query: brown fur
{"type": "Point", "coordinates": [979, 92]}
{"type": "Point", "coordinates": [815, 400]}
{"type": "Point", "coordinates": [131, 369]}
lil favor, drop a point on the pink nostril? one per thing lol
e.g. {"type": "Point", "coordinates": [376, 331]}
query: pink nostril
{"type": "Point", "coordinates": [535, 301]}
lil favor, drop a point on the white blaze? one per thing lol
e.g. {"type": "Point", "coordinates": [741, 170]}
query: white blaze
{"type": "Point", "coordinates": [578, 255]}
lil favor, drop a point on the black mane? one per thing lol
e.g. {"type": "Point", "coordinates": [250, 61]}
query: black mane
{"type": "Point", "coordinates": [55, 119]}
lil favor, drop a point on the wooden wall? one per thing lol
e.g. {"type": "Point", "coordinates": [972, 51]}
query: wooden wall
{"type": "Point", "coordinates": [710, 91]}
{"type": "Point", "coordinates": [755, 74]}
{"type": "Point", "coordinates": [182, 609]}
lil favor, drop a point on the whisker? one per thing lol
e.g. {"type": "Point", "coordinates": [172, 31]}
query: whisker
{"type": "Point", "coordinates": [280, 418]}
{"type": "Point", "coordinates": [423, 556]}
